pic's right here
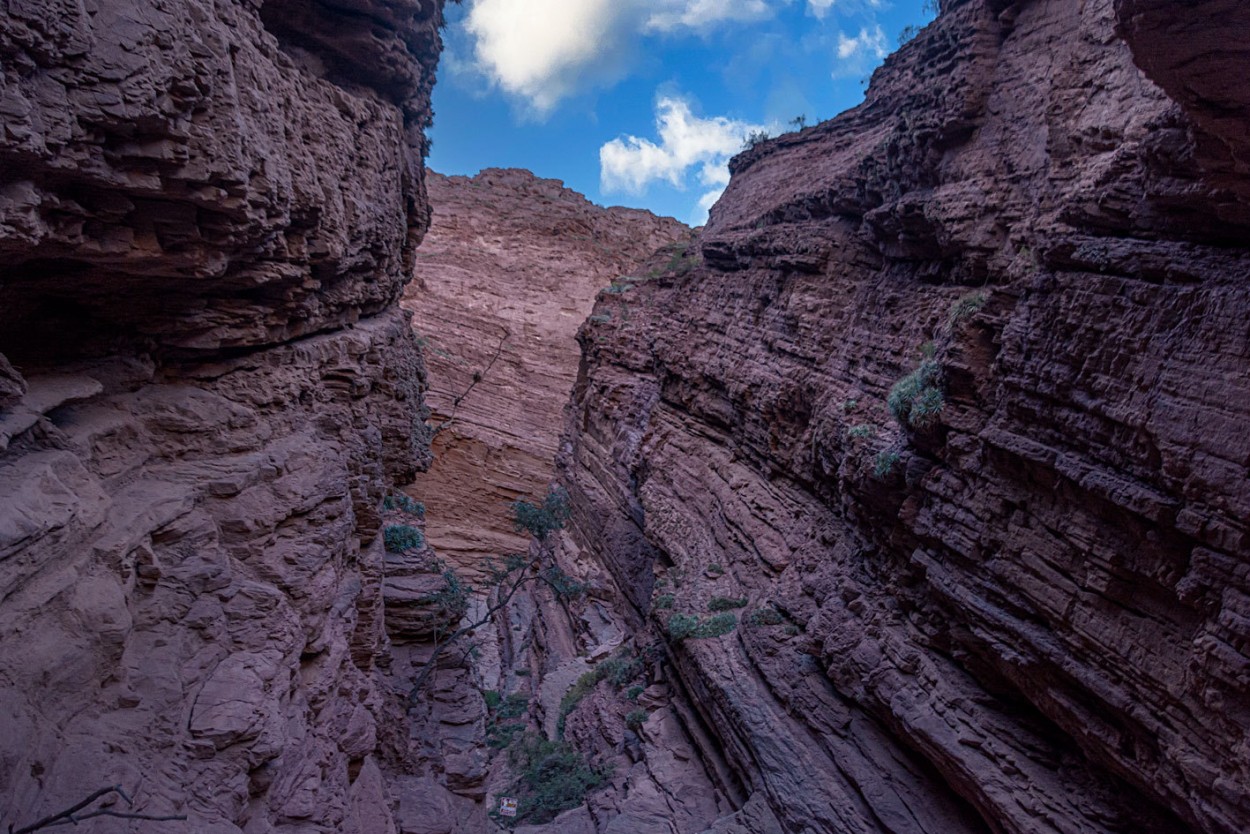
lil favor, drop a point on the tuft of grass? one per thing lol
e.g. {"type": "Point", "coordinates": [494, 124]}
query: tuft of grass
{"type": "Point", "coordinates": [405, 504]}
{"type": "Point", "coordinates": [863, 430]}
{"type": "Point", "coordinates": [917, 399]}
{"type": "Point", "coordinates": [884, 464]}
{"type": "Point", "coordinates": [664, 601]}
{"type": "Point", "coordinates": [398, 538]}
{"type": "Point", "coordinates": [634, 691]}
{"type": "Point", "coordinates": [964, 308]}
{"type": "Point", "coordinates": [636, 718]}
{"type": "Point", "coordinates": [726, 603]}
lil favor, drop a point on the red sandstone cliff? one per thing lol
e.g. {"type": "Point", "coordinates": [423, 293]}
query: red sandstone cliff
{"type": "Point", "coordinates": [1022, 607]}
{"type": "Point", "coordinates": [507, 274]}
{"type": "Point", "coordinates": [207, 213]}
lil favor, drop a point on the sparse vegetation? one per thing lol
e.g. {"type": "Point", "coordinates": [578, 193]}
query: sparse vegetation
{"type": "Point", "coordinates": [691, 627]}
{"type": "Point", "coordinates": [726, 603]}
{"type": "Point", "coordinates": [965, 308]}
{"type": "Point", "coordinates": [405, 504]}
{"type": "Point", "coordinates": [755, 137]}
{"type": "Point", "coordinates": [861, 431]}
{"type": "Point", "coordinates": [917, 399]}
{"type": "Point", "coordinates": [617, 670]}
{"type": "Point", "coordinates": [541, 520]}
{"type": "Point", "coordinates": [908, 32]}
{"type": "Point", "coordinates": [715, 569]}
{"type": "Point", "coordinates": [634, 691]}
{"type": "Point", "coordinates": [551, 777]}
{"type": "Point", "coordinates": [398, 538]}
{"type": "Point", "coordinates": [884, 464]}
{"type": "Point", "coordinates": [664, 601]}
{"type": "Point", "coordinates": [767, 616]}
{"type": "Point", "coordinates": [636, 718]}
{"type": "Point", "coordinates": [799, 122]}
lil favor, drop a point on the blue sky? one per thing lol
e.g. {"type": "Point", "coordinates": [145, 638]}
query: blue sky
{"type": "Point", "coordinates": [642, 102]}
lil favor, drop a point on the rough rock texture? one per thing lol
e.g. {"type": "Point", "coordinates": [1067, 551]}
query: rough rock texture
{"type": "Point", "coordinates": [1026, 610]}
{"type": "Point", "coordinates": [207, 212]}
{"type": "Point", "coordinates": [508, 272]}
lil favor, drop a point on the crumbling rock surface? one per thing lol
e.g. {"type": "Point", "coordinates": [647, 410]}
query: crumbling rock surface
{"type": "Point", "coordinates": [207, 213]}
{"type": "Point", "coordinates": [1024, 608]}
{"type": "Point", "coordinates": [507, 273]}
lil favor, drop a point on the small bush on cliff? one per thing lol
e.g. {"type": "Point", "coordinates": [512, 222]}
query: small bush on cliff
{"type": "Point", "coordinates": [400, 537]}
{"type": "Point", "coordinates": [405, 504]}
{"type": "Point", "coordinates": [767, 616]}
{"type": "Point", "coordinates": [726, 603]}
{"type": "Point", "coordinates": [636, 718]}
{"type": "Point", "coordinates": [690, 627]}
{"type": "Point", "coordinates": [551, 777]}
{"type": "Point", "coordinates": [541, 520]}
{"type": "Point", "coordinates": [884, 464]}
{"type": "Point", "coordinates": [917, 399]}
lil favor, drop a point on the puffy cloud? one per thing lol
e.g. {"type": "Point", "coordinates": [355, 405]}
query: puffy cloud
{"type": "Point", "coordinates": [867, 44]}
{"type": "Point", "coordinates": [687, 143]}
{"type": "Point", "coordinates": [546, 50]}
{"type": "Point", "coordinates": [541, 50]}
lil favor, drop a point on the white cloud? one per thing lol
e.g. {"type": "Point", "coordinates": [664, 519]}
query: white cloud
{"type": "Point", "coordinates": [687, 143]}
{"type": "Point", "coordinates": [701, 14]}
{"type": "Point", "coordinates": [819, 8]}
{"type": "Point", "coordinates": [539, 49]}
{"type": "Point", "coordinates": [546, 50]}
{"type": "Point", "coordinates": [868, 43]}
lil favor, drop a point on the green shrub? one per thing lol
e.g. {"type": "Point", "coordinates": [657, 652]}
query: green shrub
{"type": "Point", "coordinates": [514, 706]}
{"type": "Point", "coordinates": [617, 670]}
{"type": "Point", "coordinates": [726, 604]}
{"type": "Point", "coordinates": [861, 431]}
{"type": "Point", "coordinates": [562, 584]}
{"type": "Point", "coordinates": [917, 399]}
{"type": "Point", "coordinates": [405, 504]}
{"type": "Point", "coordinates": [688, 626]}
{"type": "Point", "coordinates": [634, 691]}
{"type": "Point", "coordinates": [636, 718]}
{"type": "Point", "coordinates": [767, 616]}
{"type": "Point", "coordinates": [499, 736]}
{"type": "Point", "coordinates": [715, 569]}
{"type": "Point", "coordinates": [541, 520]}
{"type": "Point", "coordinates": [400, 537]}
{"type": "Point", "coordinates": [884, 464]}
{"type": "Point", "coordinates": [551, 777]}
{"type": "Point", "coordinates": [492, 698]}
{"type": "Point", "coordinates": [664, 601]}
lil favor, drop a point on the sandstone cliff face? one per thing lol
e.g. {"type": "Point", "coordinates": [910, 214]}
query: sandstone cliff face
{"type": "Point", "coordinates": [508, 272]}
{"type": "Point", "coordinates": [207, 213]}
{"type": "Point", "coordinates": [1023, 608]}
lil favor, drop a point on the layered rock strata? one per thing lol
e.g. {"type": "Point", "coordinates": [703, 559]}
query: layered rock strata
{"type": "Point", "coordinates": [508, 272]}
{"type": "Point", "coordinates": [951, 412]}
{"type": "Point", "coordinates": [207, 213]}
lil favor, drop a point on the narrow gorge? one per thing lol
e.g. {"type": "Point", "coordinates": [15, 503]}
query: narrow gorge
{"type": "Point", "coordinates": [909, 495]}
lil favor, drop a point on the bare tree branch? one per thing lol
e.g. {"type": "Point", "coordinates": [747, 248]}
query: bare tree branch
{"type": "Point", "coordinates": [70, 816]}
{"type": "Point", "coordinates": [478, 376]}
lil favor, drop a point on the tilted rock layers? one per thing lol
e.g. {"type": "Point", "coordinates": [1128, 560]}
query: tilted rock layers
{"type": "Point", "coordinates": [1025, 606]}
{"type": "Point", "coordinates": [508, 272]}
{"type": "Point", "coordinates": [207, 213]}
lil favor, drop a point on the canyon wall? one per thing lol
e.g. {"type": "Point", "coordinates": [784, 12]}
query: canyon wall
{"type": "Point", "coordinates": [948, 407]}
{"type": "Point", "coordinates": [506, 275]}
{"type": "Point", "coordinates": [208, 211]}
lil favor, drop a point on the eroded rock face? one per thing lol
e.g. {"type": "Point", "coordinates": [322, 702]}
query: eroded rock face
{"type": "Point", "coordinates": [207, 213]}
{"type": "Point", "coordinates": [508, 272]}
{"type": "Point", "coordinates": [1024, 608]}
